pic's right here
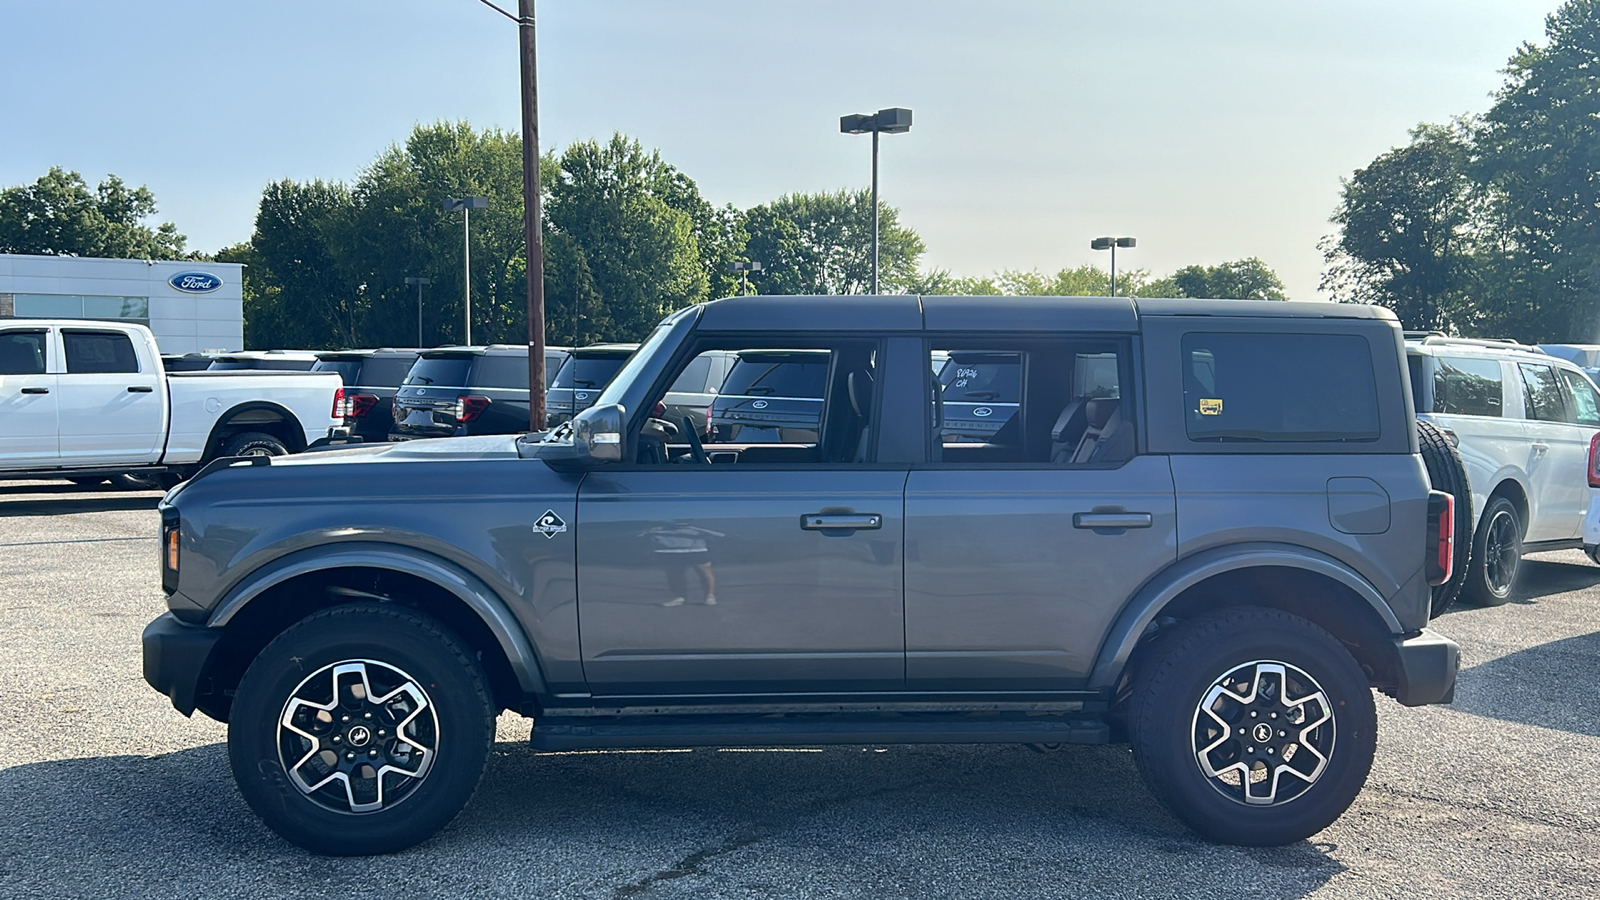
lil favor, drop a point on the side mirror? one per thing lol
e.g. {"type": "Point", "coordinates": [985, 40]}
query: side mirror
{"type": "Point", "coordinates": [597, 433]}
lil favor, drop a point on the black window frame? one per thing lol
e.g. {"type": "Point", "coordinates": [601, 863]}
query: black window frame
{"type": "Point", "coordinates": [67, 334]}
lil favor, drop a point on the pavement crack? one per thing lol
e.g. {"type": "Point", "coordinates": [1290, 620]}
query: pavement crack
{"type": "Point", "coordinates": [689, 865]}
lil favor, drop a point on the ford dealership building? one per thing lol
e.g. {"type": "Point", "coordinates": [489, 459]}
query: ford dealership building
{"type": "Point", "coordinates": [189, 305]}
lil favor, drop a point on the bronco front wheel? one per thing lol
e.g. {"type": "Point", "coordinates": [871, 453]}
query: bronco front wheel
{"type": "Point", "coordinates": [1253, 726]}
{"type": "Point", "coordinates": [361, 729]}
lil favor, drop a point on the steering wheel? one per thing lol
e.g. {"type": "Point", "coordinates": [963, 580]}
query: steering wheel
{"type": "Point", "coordinates": [696, 449]}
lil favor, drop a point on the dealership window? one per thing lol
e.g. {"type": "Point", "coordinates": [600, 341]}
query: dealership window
{"type": "Point", "coordinates": [99, 352]}
{"type": "Point", "coordinates": [81, 306]}
{"type": "Point", "coordinates": [1287, 388]}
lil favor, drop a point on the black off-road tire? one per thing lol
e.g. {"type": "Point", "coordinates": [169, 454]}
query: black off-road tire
{"type": "Point", "coordinates": [1167, 722]}
{"type": "Point", "coordinates": [1447, 473]}
{"type": "Point", "coordinates": [1496, 555]}
{"type": "Point", "coordinates": [311, 663]}
{"type": "Point", "coordinates": [253, 443]}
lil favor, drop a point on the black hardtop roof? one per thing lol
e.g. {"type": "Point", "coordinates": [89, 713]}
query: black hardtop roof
{"type": "Point", "coordinates": [906, 312]}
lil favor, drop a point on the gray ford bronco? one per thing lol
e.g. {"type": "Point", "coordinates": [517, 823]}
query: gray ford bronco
{"type": "Point", "coordinates": [1205, 529]}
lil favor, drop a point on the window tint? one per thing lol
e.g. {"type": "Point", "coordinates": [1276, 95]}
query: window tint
{"type": "Point", "coordinates": [693, 379]}
{"type": "Point", "coordinates": [348, 369]}
{"type": "Point", "coordinates": [1279, 387]}
{"type": "Point", "coordinates": [441, 371]}
{"type": "Point", "coordinates": [1467, 387]}
{"type": "Point", "coordinates": [779, 373]}
{"type": "Point", "coordinates": [1543, 393]}
{"type": "Point", "coordinates": [99, 352]}
{"type": "Point", "coordinates": [22, 352]}
{"type": "Point", "coordinates": [587, 372]}
{"type": "Point", "coordinates": [508, 372]}
{"type": "Point", "coordinates": [385, 371]}
{"type": "Point", "coordinates": [1585, 404]}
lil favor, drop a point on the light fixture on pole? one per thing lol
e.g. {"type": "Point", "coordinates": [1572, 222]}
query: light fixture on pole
{"type": "Point", "coordinates": [744, 269]}
{"type": "Point", "coordinates": [466, 205]}
{"type": "Point", "coordinates": [894, 120]}
{"type": "Point", "coordinates": [419, 282]}
{"type": "Point", "coordinates": [1112, 243]}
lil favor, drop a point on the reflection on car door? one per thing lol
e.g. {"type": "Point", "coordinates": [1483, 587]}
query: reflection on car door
{"type": "Point", "coordinates": [28, 399]}
{"type": "Point", "coordinates": [111, 412]}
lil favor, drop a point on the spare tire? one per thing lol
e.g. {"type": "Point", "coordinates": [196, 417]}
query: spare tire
{"type": "Point", "coordinates": [1447, 473]}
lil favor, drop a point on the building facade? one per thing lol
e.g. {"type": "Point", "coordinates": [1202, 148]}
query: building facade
{"type": "Point", "coordinates": [189, 306]}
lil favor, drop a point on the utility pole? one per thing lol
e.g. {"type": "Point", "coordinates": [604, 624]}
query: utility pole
{"type": "Point", "coordinates": [532, 239]}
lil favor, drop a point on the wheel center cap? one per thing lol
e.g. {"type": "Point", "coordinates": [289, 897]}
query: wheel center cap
{"type": "Point", "coordinates": [361, 735]}
{"type": "Point", "coordinates": [1262, 733]}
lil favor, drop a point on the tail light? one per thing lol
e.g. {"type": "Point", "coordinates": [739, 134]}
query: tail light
{"type": "Point", "coordinates": [1441, 537]}
{"type": "Point", "coordinates": [1594, 460]}
{"type": "Point", "coordinates": [353, 405]}
{"type": "Point", "coordinates": [339, 404]}
{"type": "Point", "coordinates": [470, 407]}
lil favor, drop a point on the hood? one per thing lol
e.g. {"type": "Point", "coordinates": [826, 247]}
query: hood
{"type": "Point", "coordinates": [488, 446]}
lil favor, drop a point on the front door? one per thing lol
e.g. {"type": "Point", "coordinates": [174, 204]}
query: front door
{"type": "Point", "coordinates": [715, 580]}
{"type": "Point", "coordinates": [28, 400]}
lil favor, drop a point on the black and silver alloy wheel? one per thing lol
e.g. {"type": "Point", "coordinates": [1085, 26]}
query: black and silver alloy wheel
{"type": "Point", "coordinates": [1263, 733]}
{"type": "Point", "coordinates": [1496, 554]}
{"type": "Point", "coordinates": [358, 736]}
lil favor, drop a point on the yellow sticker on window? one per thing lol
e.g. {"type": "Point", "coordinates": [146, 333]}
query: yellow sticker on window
{"type": "Point", "coordinates": [1210, 406]}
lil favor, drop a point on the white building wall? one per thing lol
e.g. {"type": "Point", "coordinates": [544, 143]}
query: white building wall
{"type": "Point", "coordinates": [182, 322]}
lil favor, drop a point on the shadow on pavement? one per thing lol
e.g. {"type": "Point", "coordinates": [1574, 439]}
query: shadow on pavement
{"type": "Point", "coordinates": [926, 821]}
{"type": "Point", "coordinates": [1542, 578]}
{"type": "Point", "coordinates": [1547, 685]}
{"type": "Point", "coordinates": [93, 501]}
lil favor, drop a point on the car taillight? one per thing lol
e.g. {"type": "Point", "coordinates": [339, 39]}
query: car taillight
{"type": "Point", "coordinates": [339, 404]}
{"type": "Point", "coordinates": [1594, 460]}
{"type": "Point", "coordinates": [1441, 537]}
{"type": "Point", "coordinates": [470, 407]}
{"type": "Point", "coordinates": [358, 405]}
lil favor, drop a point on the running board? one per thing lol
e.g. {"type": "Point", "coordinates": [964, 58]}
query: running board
{"type": "Point", "coordinates": [656, 734]}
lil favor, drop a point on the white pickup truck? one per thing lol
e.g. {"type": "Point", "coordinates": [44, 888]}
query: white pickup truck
{"type": "Point", "coordinates": [86, 400]}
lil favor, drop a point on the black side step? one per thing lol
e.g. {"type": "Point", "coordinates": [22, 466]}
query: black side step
{"type": "Point", "coordinates": [792, 731]}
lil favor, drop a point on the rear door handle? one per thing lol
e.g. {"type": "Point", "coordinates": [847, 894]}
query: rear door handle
{"type": "Point", "coordinates": [841, 521]}
{"type": "Point", "coordinates": [36, 390]}
{"type": "Point", "coordinates": [1098, 520]}
{"type": "Point", "coordinates": [1540, 448]}
{"type": "Point", "coordinates": [140, 389]}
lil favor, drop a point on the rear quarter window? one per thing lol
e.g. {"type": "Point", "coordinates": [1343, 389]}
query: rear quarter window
{"type": "Point", "coordinates": [1283, 388]}
{"type": "Point", "coordinates": [1465, 386]}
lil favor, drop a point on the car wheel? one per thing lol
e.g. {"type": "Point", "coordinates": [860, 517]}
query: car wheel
{"type": "Point", "coordinates": [361, 729]}
{"type": "Point", "coordinates": [1496, 554]}
{"type": "Point", "coordinates": [1447, 473]}
{"type": "Point", "coordinates": [1253, 726]}
{"type": "Point", "coordinates": [253, 443]}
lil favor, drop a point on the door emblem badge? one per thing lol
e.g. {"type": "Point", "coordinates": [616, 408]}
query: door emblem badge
{"type": "Point", "coordinates": [421, 391]}
{"type": "Point", "coordinates": [983, 411]}
{"type": "Point", "coordinates": [759, 404]}
{"type": "Point", "coordinates": [582, 395]}
{"type": "Point", "coordinates": [550, 524]}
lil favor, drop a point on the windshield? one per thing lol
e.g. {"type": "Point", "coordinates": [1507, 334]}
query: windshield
{"type": "Point", "coordinates": [587, 372]}
{"type": "Point", "coordinates": [347, 368]}
{"type": "Point", "coordinates": [981, 378]}
{"type": "Point", "coordinates": [448, 371]}
{"type": "Point", "coordinates": [789, 375]}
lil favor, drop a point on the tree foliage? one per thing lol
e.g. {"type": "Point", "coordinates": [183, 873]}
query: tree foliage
{"type": "Point", "coordinates": [1243, 279]}
{"type": "Point", "coordinates": [59, 215]}
{"type": "Point", "coordinates": [822, 244]}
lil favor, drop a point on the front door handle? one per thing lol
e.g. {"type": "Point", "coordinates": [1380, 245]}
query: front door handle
{"type": "Point", "coordinates": [1119, 520]}
{"type": "Point", "coordinates": [841, 521]}
{"type": "Point", "coordinates": [36, 390]}
{"type": "Point", "coordinates": [140, 389]}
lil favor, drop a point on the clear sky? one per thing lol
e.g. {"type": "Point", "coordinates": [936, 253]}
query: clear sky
{"type": "Point", "coordinates": [1209, 130]}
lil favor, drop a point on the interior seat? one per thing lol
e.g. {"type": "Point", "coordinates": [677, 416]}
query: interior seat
{"type": "Point", "coordinates": [859, 384]}
{"type": "Point", "coordinates": [1108, 438]}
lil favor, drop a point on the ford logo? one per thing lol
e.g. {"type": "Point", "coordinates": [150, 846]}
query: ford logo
{"type": "Point", "coordinates": [582, 395]}
{"type": "Point", "coordinates": [759, 404]}
{"type": "Point", "coordinates": [195, 282]}
{"type": "Point", "coordinates": [983, 411]}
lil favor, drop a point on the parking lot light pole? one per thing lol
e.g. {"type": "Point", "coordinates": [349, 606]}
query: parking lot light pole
{"type": "Point", "coordinates": [744, 269]}
{"type": "Point", "coordinates": [419, 282]}
{"type": "Point", "coordinates": [466, 205]}
{"type": "Point", "coordinates": [1112, 243]}
{"type": "Point", "coordinates": [894, 120]}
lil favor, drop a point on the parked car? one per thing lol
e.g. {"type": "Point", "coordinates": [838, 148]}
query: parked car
{"type": "Point", "coordinates": [583, 376]}
{"type": "Point", "coordinates": [773, 396]}
{"type": "Point", "coordinates": [187, 362]}
{"type": "Point", "coordinates": [1219, 564]}
{"type": "Point", "coordinates": [691, 396]}
{"type": "Point", "coordinates": [280, 360]}
{"type": "Point", "coordinates": [365, 405]}
{"type": "Point", "coordinates": [453, 391]}
{"type": "Point", "coordinates": [89, 400]}
{"type": "Point", "coordinates": [1524, 423]}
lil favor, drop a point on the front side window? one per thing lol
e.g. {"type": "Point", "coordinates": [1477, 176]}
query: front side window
{"type": "Point", "coordinates": [1585, 404]}
{"type": "Point", "coordinates": [99, 352]}
{"type": "Point", "coordinates": [1543, 393]}
{"type": "Point", "coordinates": [22, 352]}
{"type": "Point", "coordinates": [1290, 388]}
{"type": "Point", "coordinates": [1465, 386]}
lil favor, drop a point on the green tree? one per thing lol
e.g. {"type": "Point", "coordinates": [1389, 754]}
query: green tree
{"type": "Point", "coordinates": [58, 214]}
{"type": "Point", "coordinates": [1081, 281]}
{"type": "Point", "coordinates": [1407, 226]}
{"type": "Point", "coordinates": [1244, 279]}
{"type": "Point", "coordinates": [306, 295]}
{"type": "Point", "coordinates": [822, 244]}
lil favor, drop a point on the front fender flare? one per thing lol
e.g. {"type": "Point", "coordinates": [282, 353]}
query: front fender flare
{"type": "Point", "coordinates": [1153, 597]}
{"type": "Point", "coordinates": [463, 585]}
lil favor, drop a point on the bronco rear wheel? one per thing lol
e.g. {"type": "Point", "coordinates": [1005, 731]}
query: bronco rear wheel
{"type": "Point", "coordinates": [1253, 726]}
{"type": "Point", "coordinates": [361, 729]}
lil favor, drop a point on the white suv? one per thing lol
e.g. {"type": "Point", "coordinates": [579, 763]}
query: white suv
{"type": "Point", "coordinates": [1525, 424]}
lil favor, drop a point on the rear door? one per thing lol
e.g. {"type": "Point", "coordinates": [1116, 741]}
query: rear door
{"type": "Point", "coordinates": [28, 399]}
{"type": "Point", "coordinates": [112, 407]}
{"type": "Point", "coordinates": [1558, 453]}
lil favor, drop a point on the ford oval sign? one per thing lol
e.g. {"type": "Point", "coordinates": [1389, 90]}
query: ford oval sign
{"type": "Point", "coordinates": [983, 411]}
{"type": "Point", "coordinates": [195, 282]}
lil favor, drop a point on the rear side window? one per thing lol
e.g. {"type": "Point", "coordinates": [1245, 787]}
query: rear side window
{"type": "Point", "coordinates": [588, 372]}
{"type": "Point", "coordinates": [441, 371]}
{"type": "Point", "coordinates": [693, 379]}
{"type": "Point", "coordinates": [1288, 388]}
{"type": "Point", "coordinates": [22, 353]}
{"type": "Point", "coordinates": [1467, 387]}
{"type": "Point", "coordinates": [1543, 393]}
{"type": "Point", "coordinates": [508, 372]}
{"type": "Point", "coordinates": [99, 352]}
{"type": "Point", "coordinates": [1585, 404]}
{"type": "Point", "coordinates": [779, 375]}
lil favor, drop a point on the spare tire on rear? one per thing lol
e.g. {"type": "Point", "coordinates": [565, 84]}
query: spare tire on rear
{"type": "Point", "coordinates": [1447, 473]}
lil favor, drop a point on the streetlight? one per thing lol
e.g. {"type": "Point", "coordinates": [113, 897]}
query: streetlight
{"type": "Point", "coordinates": [419, 282]}
{"type": "Point", "coordinates": [894, 120]}
{"type": "Point", "coordinates": [466, 205]}
{"type": "Point", "coordinates": [744, 269]}
{"type": "Point", "coordinates": [1112, 243]}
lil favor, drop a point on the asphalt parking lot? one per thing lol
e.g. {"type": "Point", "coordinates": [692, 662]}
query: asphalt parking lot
{"type": "Point", "coordinates": [106, 791]}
